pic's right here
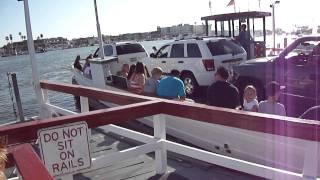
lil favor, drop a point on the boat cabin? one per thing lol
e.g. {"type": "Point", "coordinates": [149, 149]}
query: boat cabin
{"type": "Point", "coordinates": [228, 25]}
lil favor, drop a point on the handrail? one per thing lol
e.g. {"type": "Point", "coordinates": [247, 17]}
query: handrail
{"type": "Point", "coordinates": [271, 124]}
{"type": "Point", "coordinates": [27, 131]}
{"type": "Point", "coordinates": [23, 156]}
{"type": "Point", "coordinates": [263, 123]}
{"type": "Point", "coordinates": [145, 106]}
{"type": "Point", "coordinates": [94, 93]}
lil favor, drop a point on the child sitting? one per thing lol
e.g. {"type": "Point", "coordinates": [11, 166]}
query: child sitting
{"type": "Point", "coordinates": [250, 102]}
{"type": "Point", "coordinates": [271, 106]}
{"type": "Point", "coordinates": [151, 84]}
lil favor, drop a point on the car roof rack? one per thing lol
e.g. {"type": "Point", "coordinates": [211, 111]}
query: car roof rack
{"type": "Point", "coordinates": [199, 38]}
{"type": "Point", "coordinates": [188, 38]}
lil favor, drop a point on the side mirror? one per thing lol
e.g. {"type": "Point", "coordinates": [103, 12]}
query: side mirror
{"type": "Point", "coordinates": [152, 55]}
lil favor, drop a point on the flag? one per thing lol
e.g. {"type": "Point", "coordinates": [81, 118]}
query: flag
{"type": "Point", "coordinates": [210, 4]}
{"type": "Point", "coordinates": [231, 3]}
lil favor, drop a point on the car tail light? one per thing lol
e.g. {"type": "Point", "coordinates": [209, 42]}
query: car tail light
{"type": "Point", "coordinates": [208, 64]}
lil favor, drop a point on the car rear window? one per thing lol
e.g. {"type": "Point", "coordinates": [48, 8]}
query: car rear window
{"type": "Point", "coordinates": [177, 51]}
{"type": "Point", "coordinates": [129, 49]}
{"type": "Point", "coordinates": [108, 50]}
{"type": "Point", "coordinates": [223, 47]}
{"type": "Point", "coordinates": [193, 51]}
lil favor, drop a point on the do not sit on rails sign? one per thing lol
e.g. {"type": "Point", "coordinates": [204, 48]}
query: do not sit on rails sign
{"type": "Point", "coordinates": [65, 149]}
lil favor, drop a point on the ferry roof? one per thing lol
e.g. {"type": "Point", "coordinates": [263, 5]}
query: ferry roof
{"type": "Point", "coordinates": [241, 15]}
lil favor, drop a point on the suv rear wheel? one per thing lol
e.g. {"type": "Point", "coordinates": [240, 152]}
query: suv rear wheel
{"type": "Point", "coordinates": [190, 84]}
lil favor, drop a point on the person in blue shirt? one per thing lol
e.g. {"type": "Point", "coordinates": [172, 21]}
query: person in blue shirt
{"type": "Point", "coordinates": [171, 87]}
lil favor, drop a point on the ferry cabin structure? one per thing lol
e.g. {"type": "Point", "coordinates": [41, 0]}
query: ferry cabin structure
{"type": "Point", "coordinates": [225, 26]}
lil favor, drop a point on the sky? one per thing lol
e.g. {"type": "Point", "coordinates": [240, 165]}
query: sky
{"type": "Point", "coordinates": [76, 18]}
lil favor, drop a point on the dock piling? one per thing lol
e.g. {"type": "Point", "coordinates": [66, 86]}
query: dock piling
{"type": "Point", "coordinates": [17, 96]}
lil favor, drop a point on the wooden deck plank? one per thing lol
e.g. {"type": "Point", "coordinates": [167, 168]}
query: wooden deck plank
{"type": "Point", "coordinates": [120, 170]}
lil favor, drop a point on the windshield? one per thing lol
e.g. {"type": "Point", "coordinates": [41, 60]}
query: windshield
{"type": "Point", "coordinates": [129, 49]}
{"type": "Point", "coordinates": [306, 48]}
{"type": "Point", "coordinates": [223, 47]}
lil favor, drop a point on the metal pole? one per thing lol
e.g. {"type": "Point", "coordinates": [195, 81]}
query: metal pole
{"type": "Point", "coordinates": [101, 52]}
{"type": "Point", "coordinates": [35, 72]}
{"type": "Point", "coordinates": [17, 96]}
{"type": "Point", "coordinates": [273, 26]}
{"type": "Point", "coordinates": [207, 28]}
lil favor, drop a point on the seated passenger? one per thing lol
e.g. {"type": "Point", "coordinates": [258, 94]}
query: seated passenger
{"type": "Point", "coordinates": [131, 72]}
{"type": "Point", "coordinates": [171, 87]}
{"type": "Point", "coordinates": [86, 67]}
{"type": "Point", "coordinates": [151, 84]}
{"type": "Point", "coordinates": [124, 71]}
{"type": "Point", "coordinates": [250, 102]}
{"type": "Point", "coordinates": [77, 64]}
{"type": "Point", "coordinates": [271, 105]}
{"type": "Point", "coordinates": [138, 81]}
{"type": "Point", "coordinates": [222, 93]}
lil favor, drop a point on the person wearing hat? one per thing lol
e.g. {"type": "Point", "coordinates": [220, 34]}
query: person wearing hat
{"type": "Point", "coordinates": [222, 93]}
{"type": "Point", "coordinates": [271, 105]}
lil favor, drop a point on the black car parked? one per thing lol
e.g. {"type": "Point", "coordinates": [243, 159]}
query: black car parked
{"type": "Point", "coordinates": [297, 68]}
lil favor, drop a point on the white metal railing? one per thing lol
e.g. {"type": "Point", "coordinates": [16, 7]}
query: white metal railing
{"type": "Point", "coordinates": [160, 146]}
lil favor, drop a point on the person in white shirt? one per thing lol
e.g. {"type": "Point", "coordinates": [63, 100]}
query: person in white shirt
{"type": "Point", "coordinates": [250, 102]}
{"type": "Point", "coordinates": [151, 84]}
{"type": "Point", "coordinates": [271, 105]}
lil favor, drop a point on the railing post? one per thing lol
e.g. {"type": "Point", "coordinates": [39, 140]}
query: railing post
{"type": "Point", "coordinates": [159, 125]}
{"type": "Point", "coordinates": [45, 110]}
{"type": "Point", "coordinates": [17, 96]}
{"type": "Point", "coordinates": [84, 104]}
{"type": "Point", "coordinates": [311, 160]}
{"type": "Point", "coordinates": [45, 95]}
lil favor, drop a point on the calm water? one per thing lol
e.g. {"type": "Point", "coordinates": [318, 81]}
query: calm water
{"type": "Point", "coordinates": [54, 66]}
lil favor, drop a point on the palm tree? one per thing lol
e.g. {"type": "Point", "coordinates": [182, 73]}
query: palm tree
{"type": "Point", "coordinates": [10, 37]}
{"type": "Point", "coordinates": [43, 41]}
{"type": "Point", "coordinates": [7, 39]}
{"type": "Point", "coordinates": [20, 34]}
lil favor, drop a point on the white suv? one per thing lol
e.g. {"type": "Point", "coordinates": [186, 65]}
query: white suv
{"type": "Point", "coordinates": [126, 52]}
{"type": "Point", "coordinates": [197, 59]}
